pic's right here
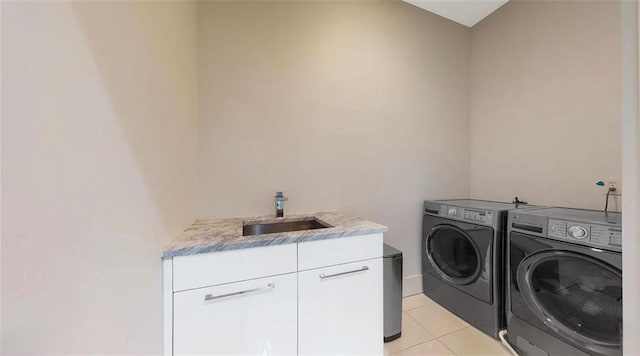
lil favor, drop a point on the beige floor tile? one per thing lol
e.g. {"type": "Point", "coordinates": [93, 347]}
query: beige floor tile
{"type": "Point", "coordinates": [430, 348]}
{"type": "Point", "coordinates": [437, 320]}
{"type": "Point", "coordinates": [412, 334]}
{"type": "Point", "coordinates": [471, 341]}
{"type": "Point", "coordinates": [415, 301]}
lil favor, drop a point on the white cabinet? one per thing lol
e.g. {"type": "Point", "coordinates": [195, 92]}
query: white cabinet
{"type": "Point", "coordinates": [257, 317]}
{"type": "Point", "coordinates": [340, 309]}
{"type": "Point", "coordinates": [319, 297]}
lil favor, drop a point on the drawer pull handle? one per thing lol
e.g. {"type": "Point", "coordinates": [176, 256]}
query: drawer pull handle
{"type": "Point", "coordinates": [323, 276]}
{"type": "Point", "coordinates": [209, 297]}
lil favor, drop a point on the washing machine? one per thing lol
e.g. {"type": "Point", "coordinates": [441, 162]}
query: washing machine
{"type": "Point", "coordinates": [462, 259]}
{"type": "Point", "coordinates": [564, 282]}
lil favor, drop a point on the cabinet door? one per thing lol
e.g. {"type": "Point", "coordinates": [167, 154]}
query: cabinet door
{"type": "Point", "coordinates": [340, 309]}
{"type": "Point", "coordinates": [252, 317]}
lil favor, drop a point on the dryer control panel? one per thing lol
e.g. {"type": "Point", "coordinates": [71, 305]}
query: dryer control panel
{"type": "Point", "coordinates": [472, 211]}
{"type": "Point", "coordinates": [478, 215]}
{"type": "Point", "coordinates": [597, 235]}
{"type": "Point", "coordinates": [467, 214]}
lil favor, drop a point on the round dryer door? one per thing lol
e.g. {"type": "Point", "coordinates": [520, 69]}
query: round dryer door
{"type": "Point", "coordinates": [453, 254]}
{"type": "Point", "coordinates": [577, 296]}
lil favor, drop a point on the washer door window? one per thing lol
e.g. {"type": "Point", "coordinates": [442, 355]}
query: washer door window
{"type": "Point", "coordinates": [453, 254]}
{"type": "Point", "coordinates": [575, 295]}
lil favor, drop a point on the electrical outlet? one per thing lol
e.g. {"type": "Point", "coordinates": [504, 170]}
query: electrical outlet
{"type": "Point", "coordinates": [612, 182]}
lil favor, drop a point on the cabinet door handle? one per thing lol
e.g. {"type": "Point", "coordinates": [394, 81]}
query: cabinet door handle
{"type": "Point", "coordinates": [209, 297]}
{"type": "Point", "coordinates": [323, 276]}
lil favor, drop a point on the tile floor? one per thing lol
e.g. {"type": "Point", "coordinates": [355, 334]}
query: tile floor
{"type": "Point", "coordinates": [428, 329]}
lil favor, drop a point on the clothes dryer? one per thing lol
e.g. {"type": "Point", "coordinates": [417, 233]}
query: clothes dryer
{"type": "Point", "coordinates": [462, 259]}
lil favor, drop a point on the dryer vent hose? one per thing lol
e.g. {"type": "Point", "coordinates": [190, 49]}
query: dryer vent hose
{"type": "Point", "coordinates": [502, 334]}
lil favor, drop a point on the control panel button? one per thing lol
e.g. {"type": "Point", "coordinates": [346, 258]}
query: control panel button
{"type": "Point", "coordinates": [452, 212]}
{"type": "Point", "coordinates": [577, 232]}
{"type": "Point", "coordinates": [615, 240]}
{"type": "Point", "coordinates": [557, 229]}
{"type": "Point", "coordinates": [615, 237]}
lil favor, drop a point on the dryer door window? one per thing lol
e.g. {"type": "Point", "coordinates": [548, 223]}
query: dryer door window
{"type": "Point", "coordinates": [577, 296]}
{"type": "Point", "coordinates": [453, 254]}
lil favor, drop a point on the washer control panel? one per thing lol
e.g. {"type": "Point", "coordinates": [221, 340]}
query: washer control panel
{"type": "Point", "coordinates": [598, 235]}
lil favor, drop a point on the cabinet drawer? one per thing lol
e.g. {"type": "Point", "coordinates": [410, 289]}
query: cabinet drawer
{"type": "Point", "coordinates": [340, 310]}
{"type": "Point", "coordinates": [221, 267]}
{"type": "Point", "coordinates": [315, 254]}
{"type": "Point", "coordinates": [256, 317]}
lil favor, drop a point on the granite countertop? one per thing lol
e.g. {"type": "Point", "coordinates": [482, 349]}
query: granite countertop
{"type": "Point", "coordinates": [210, 235]}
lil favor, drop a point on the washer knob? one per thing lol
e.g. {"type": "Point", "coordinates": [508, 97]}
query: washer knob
{"type": "Point", "coordinates": [453, 211]}
{"type": "Point", "coordinates": [577, 232]}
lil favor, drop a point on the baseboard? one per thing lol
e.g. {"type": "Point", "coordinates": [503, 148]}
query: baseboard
{"type": "Point", "coordinates": [412, 285]}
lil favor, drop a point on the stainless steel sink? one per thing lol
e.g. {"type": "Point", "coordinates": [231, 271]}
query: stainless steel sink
{"type": "Point", "coordinates": [285, 226]}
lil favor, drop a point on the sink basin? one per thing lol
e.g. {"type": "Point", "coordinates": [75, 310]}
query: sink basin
{"type": "Point", "coordinates": [285, 226]}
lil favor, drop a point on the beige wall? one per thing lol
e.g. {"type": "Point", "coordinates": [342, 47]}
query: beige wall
{"type": "Point", "coordinates": [360, 107]}
{"type": "Point", "coordinates": [545, 102]}
{"type": "Point", "coordinates": [631, 173]}
{"type": "Point", "coordinates": [99, 147]}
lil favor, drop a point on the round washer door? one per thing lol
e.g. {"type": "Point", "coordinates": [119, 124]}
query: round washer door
{"type": "Point", "coordinates": [575, 295]}
{"type": "Point", "coordinates": [453, 254]}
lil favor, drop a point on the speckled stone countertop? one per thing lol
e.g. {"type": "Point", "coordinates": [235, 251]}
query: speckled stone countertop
{"type": "Point", "coordinates": [210, 235]}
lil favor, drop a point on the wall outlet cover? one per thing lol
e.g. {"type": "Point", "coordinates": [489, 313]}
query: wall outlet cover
{"type": "Point", "coordinates": [613, 182]}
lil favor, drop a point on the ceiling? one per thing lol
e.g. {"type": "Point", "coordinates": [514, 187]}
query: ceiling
{"type": "Point", "coordinates": [466, 12]}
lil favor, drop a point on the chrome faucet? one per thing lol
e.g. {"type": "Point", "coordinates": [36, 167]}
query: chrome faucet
{"type": "Point", "coordinates": [280, 199]}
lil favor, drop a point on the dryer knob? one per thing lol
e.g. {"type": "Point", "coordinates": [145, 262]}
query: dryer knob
{"type": "Point", "coordinates": [577, 232]}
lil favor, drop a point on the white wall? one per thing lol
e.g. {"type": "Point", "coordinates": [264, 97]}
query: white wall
{"type": "Point", "coordinates": [99, 147]}
{"type": "Point", "coordinates": [359, 107]}
{"type": "Point", "coordinates": [545, 102]}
